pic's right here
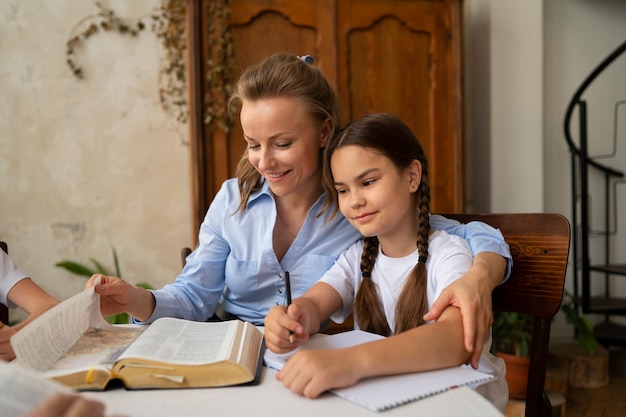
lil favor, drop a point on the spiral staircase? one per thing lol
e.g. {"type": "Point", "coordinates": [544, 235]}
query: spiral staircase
{"type": "Point", "coordinates": [598, 185]}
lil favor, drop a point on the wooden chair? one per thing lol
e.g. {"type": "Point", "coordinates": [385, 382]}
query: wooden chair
{"type": "Point", "coordinates": [4, 310]}
{"type": "Point", "coordinates": [184, 253]}
{"type": "Point", "coordinates": [540, 246]}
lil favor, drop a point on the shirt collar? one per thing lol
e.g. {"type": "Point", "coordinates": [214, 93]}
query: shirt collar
{"type": "Point", "coordinates": [265, 190]}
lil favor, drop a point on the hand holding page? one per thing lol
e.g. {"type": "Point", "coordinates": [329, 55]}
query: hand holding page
{"type": "Point", "coordinates": [381, 393]}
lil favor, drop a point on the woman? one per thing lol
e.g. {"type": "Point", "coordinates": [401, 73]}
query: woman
{"type": "Point", "coordinates": [274, 217]}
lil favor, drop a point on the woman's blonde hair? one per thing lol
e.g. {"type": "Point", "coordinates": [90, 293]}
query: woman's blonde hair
{"type": "Point", "coordinates": [282, 75]}
{"type": "Point", "coordinates": [388, 135]}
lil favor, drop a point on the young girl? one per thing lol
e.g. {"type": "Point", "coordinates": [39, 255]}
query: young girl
{"type": "Point", "coordinates": [380, 180]}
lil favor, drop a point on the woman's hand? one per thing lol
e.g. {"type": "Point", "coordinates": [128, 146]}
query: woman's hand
{"type": "Point", "coordinates": [118, 296]}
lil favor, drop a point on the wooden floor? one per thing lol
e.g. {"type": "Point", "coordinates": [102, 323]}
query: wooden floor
{"type": "Point", "coordinates": [607, 401]}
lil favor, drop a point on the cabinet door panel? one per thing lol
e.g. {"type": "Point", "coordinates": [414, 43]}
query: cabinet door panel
{"type": "Point", "coordinates": [401, 57]}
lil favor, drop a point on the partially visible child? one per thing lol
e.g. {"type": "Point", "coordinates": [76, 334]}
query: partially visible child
{"type": "Point", "coordinates": [379, 176]}
{"type": "Point", "coordinates": [18, 290]}
{"type": "Point", "coordinates": [24, 393]}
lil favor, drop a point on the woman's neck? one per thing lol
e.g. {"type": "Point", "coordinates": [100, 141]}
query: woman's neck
{"type": "Point", "coordinates": [291, 212]}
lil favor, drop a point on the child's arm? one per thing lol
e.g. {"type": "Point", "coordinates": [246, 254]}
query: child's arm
{"type": "Point", "coordinates": [34, 300]}
{"type": "Point", "coordinates": [427, 347]}
{"type": "Point", "coordinates": [472, 294]}
{"type": "Point", "coordinates": [287, 327]}
{"type": "Point", "coordinates": [31, 298]}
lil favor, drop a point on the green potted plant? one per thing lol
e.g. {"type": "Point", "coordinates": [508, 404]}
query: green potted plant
{"type": "Point", "coordinates": [584, 329]}
{"type": "Point", "coordinates": [512, 334]}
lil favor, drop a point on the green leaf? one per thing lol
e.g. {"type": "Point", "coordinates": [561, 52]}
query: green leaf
{"type": "Point", "coordinates": [524, 348]}
{"type": "Point", "coordinates": [588, 342]}
{"type": "Point", "coordinates": [75, 268]}
{"type": "Point", "coordinates": [99, 267]}
{"type": "Point", "coordinates": [116, 263]}
{"type": "Point", "coordinates": [121, 318]}
{"type": "Point", "coordinates": [145, 285]}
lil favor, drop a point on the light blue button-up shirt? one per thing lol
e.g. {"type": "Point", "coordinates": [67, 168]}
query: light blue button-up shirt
{"type": "Point", "coordinates": [235, 263]}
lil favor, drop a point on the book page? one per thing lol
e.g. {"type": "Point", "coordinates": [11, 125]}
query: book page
{"type": "Point", "coordinates": [21, 390]}
{"type": "Point", "coordinates": [96, 348]}
{"type": "Point", "coordinates": [46, 339]}
{"type": "Point", "coordinates": [184, 342]}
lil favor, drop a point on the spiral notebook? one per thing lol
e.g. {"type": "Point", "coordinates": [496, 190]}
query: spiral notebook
{"type": "Point", "coordinates": [382, 393]}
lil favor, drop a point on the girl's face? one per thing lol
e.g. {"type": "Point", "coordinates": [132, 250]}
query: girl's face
{"type": "Point", "coordinates": [374, 195]}
{"type": "Point", "coordinates": [284, 143]}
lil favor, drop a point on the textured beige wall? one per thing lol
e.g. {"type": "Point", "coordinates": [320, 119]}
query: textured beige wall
{"type": "Point", "coordinates": [88, 164]}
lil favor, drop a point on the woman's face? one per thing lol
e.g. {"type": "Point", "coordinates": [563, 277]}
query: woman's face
{"type": "Point", "coordinates": [284, 143]}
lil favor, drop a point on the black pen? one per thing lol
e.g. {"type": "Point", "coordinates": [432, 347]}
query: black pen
{"type": "Point", "coordinates": [288, 291]}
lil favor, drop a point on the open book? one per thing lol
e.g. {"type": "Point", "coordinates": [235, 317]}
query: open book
{"type": "Point", "coordinates": [73, 344]}
{"type": "Point", "coordinates": [382, 393]}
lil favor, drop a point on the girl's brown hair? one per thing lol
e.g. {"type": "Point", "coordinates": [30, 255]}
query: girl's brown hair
{"type": "Point", "coordinates": [282, 75]}
{"type": "Point", "coordinates": [388, 135]}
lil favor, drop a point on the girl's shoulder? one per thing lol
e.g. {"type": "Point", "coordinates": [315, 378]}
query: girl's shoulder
{"type": "Point", "coordinates": [442, 240]}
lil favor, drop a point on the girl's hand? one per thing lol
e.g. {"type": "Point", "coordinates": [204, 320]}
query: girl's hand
{"type": "Point", "coordinates": [311, 372]}
{"type": "Point", "coordinates": [6, 350]}
{"type": "Point", "coordinates": [285, 328]}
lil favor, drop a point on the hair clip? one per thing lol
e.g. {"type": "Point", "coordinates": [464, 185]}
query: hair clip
{"type": "Point", "coordinates": [306, 58]}
{"type": "Point", "coordinates": [421, 259]}
{"type": "Point", "coordinates": [366, 274]}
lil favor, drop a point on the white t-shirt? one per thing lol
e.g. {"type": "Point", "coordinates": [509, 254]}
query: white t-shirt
{"type": "Point", "coordinates": [10, 275]}
{"type": "Point", "coordinates": [449, 257]}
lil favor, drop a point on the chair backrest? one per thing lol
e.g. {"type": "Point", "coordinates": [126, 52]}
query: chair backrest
{"type": "Point", "coordinates": [184, 252]}
{"type": "Point", "coordinates": [4, 310]}
{"type": "Point", "coordinates": [539, 245]}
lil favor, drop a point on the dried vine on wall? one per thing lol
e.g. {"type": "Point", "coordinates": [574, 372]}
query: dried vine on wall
{"type": "Point", "coordinates": [167, 21]}
{"type": "Point", "coordinates": [220, 64]}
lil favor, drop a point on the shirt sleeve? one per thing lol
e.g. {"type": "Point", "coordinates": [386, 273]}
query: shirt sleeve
{"type": "Point", "coordinates": [344, 276]}
{"type": "Point", "coordinates": [480, 236]}
{"type": "Point", "coordinates": [10, 274]}
{"type": "Point", "coordinates": [449, 258]}
{"type": "Point", "coordinates": [197, 290]}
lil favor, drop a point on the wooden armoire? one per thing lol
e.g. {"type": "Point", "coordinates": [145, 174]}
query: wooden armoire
{"type": "Point", "coordinates": [398, 56]}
